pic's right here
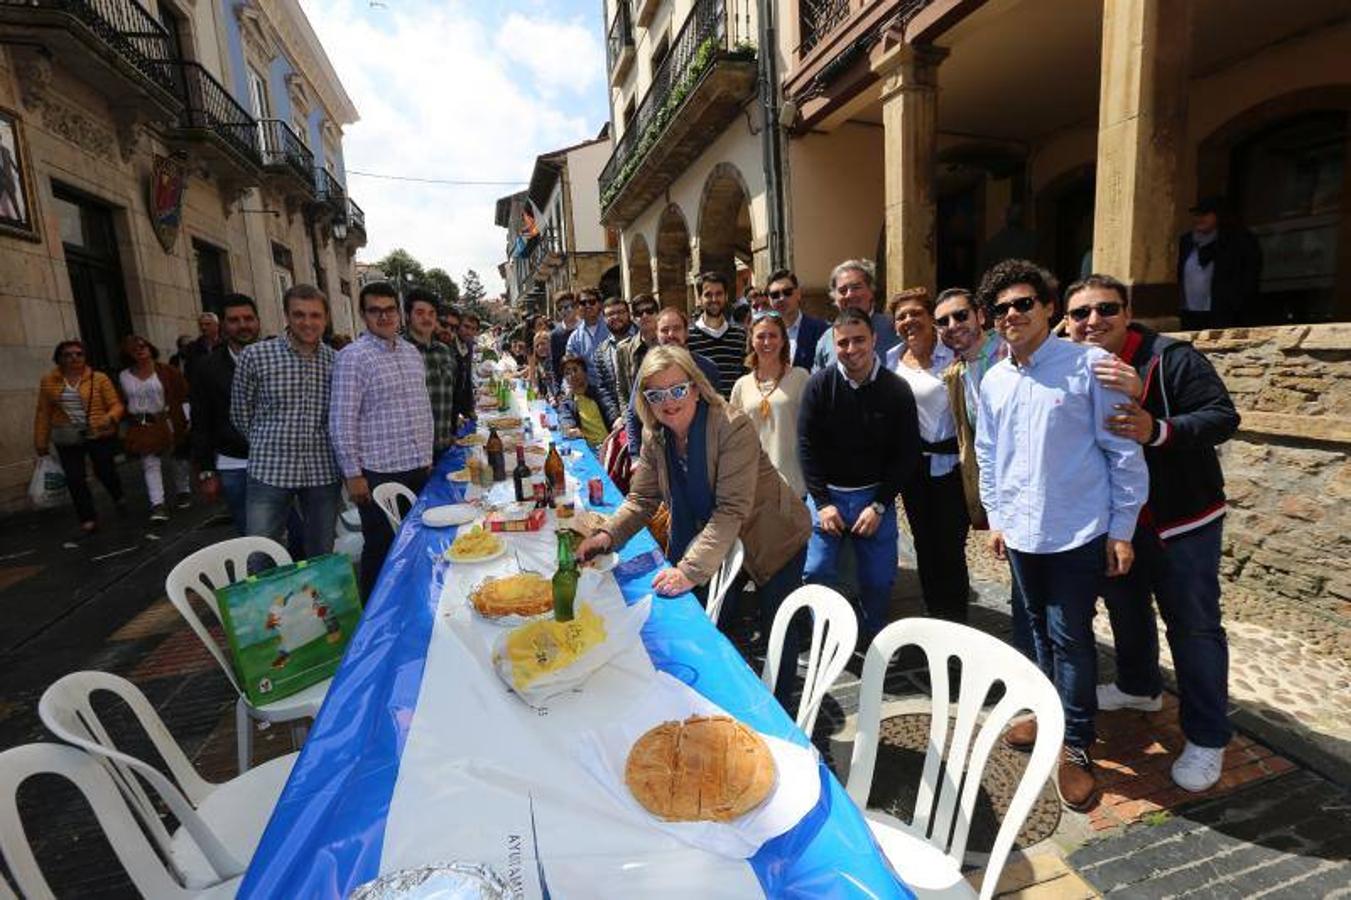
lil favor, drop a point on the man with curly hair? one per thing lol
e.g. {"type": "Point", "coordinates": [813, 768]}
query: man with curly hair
{"type": "Point", "coordinates": [1062, 492]}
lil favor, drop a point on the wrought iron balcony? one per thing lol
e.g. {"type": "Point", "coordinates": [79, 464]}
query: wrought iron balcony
{"type": "Point", "coordinates": [818, 18]}
{"type": "Point", "coordinates": [356, 224]}
{"type": "Point", "coordinates": [330, 196]}
{"type": "Point", "coordinates": [285, 155]}
{"type": "Point", "coordinates": [619, 52]}
{"type": "Point", "coordinates": [695, 92]}
{"type": "Point", "coordinates": [214, 121]}
{"type": "Point", "coordinates": [543, 255]}
{"type": "Point", "coordinates": [115, 46]}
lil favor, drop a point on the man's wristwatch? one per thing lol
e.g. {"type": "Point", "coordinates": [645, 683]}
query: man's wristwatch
{"type": "Point", "coordinates": [878, 508]}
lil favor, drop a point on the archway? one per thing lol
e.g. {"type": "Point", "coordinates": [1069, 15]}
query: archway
{"type": "Point", "coordinates": [725, 238]}
{"type": "Point", "coordinates": [673, 258]}
{"type": "Point", "coordinates": [639, 266]}
{"type": "Point", "coordinates": [611, 283]}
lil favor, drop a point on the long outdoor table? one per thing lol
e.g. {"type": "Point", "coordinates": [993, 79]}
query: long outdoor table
{"type": "Point", "coordinates": [342, 808]}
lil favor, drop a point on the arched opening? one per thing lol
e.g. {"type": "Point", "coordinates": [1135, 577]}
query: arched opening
{"type": "Point", "coordinates": [1065, 222]}
{"type": "Point", "coordinates": [673, 258]}
{"type": "Point", "coordinates": [640, 267]}
{"type": "Point", "coordinates": [611, 283]}
{"type": "Point", "coordinates": [725, 238]}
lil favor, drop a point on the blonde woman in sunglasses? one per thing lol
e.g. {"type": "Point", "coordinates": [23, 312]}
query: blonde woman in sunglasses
{"type": "Point", "coordinates": [703, 458]}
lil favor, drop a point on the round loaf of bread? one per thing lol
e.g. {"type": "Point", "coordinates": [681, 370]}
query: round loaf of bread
{"type": "Point", "coordinates": [706, 768]}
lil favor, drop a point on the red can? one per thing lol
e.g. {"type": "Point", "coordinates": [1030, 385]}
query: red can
{"type": "Point", "coordinates": [595, 491]}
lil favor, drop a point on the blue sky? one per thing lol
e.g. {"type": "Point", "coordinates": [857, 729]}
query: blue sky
{"type": "Point", "coordinates": [458, 89]}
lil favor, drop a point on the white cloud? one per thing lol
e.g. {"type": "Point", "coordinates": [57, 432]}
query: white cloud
{"type": "Point", "coordinates": [436, 101]}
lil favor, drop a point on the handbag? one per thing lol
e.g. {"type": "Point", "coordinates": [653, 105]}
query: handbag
{"type": "Point", "coordinates": [147, 436]}
{"type": "Point", "coordinates": [67, 434]}
{"type": "Point", "coordinates": [287, 627]}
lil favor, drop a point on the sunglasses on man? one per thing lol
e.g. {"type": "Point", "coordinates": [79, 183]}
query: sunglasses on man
{"type": "Point", "coordinates": [677, 392]}
{"type": "Point", "coordinates": [590, 302]}
{"type": "Point", "coordinates": [779, 295]}
{"type": "Point", "coordinates": [639, 312]}
{"type": "Point", "coordinates": [956, 317]}
{"type": "Point", "coordinates": [1023, 305]}
{"type": "Point", "coordinates": [1104, 310]}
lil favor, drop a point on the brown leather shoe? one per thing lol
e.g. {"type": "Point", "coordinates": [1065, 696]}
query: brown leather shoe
{"type": "Point", "coordinates": [1078, 785]}
{"type": "Point", "coordinates": [1021, 736]}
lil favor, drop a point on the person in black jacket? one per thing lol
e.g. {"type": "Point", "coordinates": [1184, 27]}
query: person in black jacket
{"type": "Point", "coordinates": [219, 451]}
{"type": "Point", "coordinates": [858, 439]}
{"type": "Point", "coordinates": [1219, 266]}
{"type": "Point", "coordinates": [565, 304]}
{"type": "Point", "coordinates": [1182, 414]}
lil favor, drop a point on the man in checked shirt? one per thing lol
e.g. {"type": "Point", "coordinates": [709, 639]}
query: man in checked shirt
{"type": "Point", "coordinates": [279, 402]}
{"type": "Point", "coordinates": [381, 419]}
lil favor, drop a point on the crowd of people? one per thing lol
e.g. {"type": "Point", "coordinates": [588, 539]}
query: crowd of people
{"type": "Point", "coordinates": [1083, 446]}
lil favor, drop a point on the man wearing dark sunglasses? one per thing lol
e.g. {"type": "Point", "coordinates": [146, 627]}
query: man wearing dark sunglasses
{"type": "Point", "coordinates": [1062, 493]}
{"type": "Point", "coordinates": [630, 352]}
{"type": "Point", "coordinates": [1182, 413]}
{"type": "Point", "coordinates": [785, 297]}
{"type": "Point", "coordinates": [565, 305]}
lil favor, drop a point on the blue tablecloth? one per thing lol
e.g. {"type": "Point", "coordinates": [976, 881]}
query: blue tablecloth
{"type": "Point", "coordinates": [325, 835]}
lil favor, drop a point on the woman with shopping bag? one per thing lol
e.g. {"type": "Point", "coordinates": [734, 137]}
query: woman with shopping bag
{"type": "Point", "coordinates": [155, 395]}
{"type": "Point", "coordinates": [77, 414]}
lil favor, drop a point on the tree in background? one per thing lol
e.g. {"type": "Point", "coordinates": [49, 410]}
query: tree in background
{"type": "Point", "coordinates": [398, 264]}
{"type": "Point", "coordinates": [473, 288]}
{"type": "Point", "coordinates": [442, 284]}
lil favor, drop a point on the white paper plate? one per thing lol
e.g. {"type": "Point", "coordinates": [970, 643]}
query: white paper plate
{"type": "Point", "coordinates": [450, 514]}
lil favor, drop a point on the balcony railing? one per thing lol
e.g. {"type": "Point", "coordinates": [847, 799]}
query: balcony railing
{"type": "Point", "coordinates": [330, 191]}
{"type": "Point", "coordinates": [698, 45]}
{"type": "Point", "coordinates": [284, 150]}
{"type": "Point", "coordinates": [356, 217]}
{"type": "Point", "coordinates": [620, 38]}
{"type": "Point", "coordinates": [211, 108]}
{"type": "Point", "coordinates": [125, 26]}
{"type": "Point", "coordinates": [818, 18]}
{"type": "Point", "coordinates": [550, 242]}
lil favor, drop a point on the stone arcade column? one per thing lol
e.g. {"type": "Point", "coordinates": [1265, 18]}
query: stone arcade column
{"type": "Point", "coordinates": [909, 74]}
{"type": "Point", "coordinates": [1142, 135]}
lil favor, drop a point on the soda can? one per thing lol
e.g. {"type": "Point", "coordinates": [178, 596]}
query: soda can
{"type": "Point", "coordinates": [595, 491]}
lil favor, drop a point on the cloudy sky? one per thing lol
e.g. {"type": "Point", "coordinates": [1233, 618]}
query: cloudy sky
{"type": "Point", "coordinates": [467, 90]}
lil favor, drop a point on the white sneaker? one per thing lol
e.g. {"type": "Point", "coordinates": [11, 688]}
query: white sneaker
{"type": "Point", "coordinates": [1112, 697]}
{"type": "Point", "coordinates": [1198, 768]}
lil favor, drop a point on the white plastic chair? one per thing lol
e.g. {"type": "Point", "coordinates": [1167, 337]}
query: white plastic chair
{"type": "Point", "coordinates": [834, 633]}
{"type": "Point", "coordinates": [233, 814]}
{"type": "Point", "coordinates": [387, 497]}
{"type": "Point", "coordinates": [150, 876]}
{"type": "Point", "coordinates": [928, 852]}
{"type": "Point", "coordinates": [216, 566]}
{"type": "Point", "coordinates": [721, 582]}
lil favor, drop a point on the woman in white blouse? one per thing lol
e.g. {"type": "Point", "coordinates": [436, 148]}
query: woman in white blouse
{"type": "Point", "coordinates": [771, 395]}
{"type": "Point", "coordinates": [155, 396]}
{"type": "Point", "coordinates": [935, 505]}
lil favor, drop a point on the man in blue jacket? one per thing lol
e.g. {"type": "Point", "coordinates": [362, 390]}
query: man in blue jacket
{"type": "Point", "coordinates": [804, 331]}
{"type": "Point", "coordinates": [1182, 414]}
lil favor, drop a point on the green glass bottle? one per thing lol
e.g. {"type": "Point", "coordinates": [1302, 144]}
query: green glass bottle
{"type": "Point", "coordinates": [565, 579]}
{"type": "Point", "coordinates": [503, 396]}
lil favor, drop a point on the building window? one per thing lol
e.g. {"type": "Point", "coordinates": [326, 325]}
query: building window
{"type": "Point", "coordinates": [212, 275]}
{"type": "Point", "coordinates": [281, 257]}
{"type": "Point", "coordinates": [262, 109]}
{"type": "Point", "coordinates": [660, 51]}
{"type": "Point", "coordinates": [345, 288]}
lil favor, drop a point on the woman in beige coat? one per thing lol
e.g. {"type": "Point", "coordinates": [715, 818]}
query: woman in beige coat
{"type": "Point", "coordinates": [703, 458]}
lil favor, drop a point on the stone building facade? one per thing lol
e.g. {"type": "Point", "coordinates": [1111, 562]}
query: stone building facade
{"type": "Point", "coordinates": [111, 111]}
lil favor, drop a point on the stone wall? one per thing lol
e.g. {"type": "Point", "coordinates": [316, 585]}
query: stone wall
{"type": "Point", "coordinates": [1287, 557]}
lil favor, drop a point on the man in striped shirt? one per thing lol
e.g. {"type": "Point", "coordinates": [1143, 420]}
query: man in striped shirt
{"type": "Point", "coordinates": [714, 336]}
{"type": "Point", "coordinates": [279, 402]}
{"type": "Point", "coordinates": [381, 421]}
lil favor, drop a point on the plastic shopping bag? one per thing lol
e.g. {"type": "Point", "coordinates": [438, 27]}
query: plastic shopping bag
{"type": "Point", "coordinates": [48, 487]}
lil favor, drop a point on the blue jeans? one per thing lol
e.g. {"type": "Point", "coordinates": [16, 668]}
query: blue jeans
{"type": "Point", "coordinates": [267, 509]}
{"type": "Point", "coordinates": [1024, 639]}
{"type": "Point", "coordinates": [877, 557]}
{"type": "Point", "coordinates": [1060, 591]}
{"type": "Point", "coordinates": [234, 485]}
{"type": "Point", "coordinates": [1183, 574]}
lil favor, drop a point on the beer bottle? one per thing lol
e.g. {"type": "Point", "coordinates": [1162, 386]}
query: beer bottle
{"type": "Point", "coordinates": [497, 457]}
{"type": "Point", "coordinates": [565, 579]}
{"type": "Point", "coordinates": [554, 472]}
{"type": "Point", "coordinates": [521, 475]}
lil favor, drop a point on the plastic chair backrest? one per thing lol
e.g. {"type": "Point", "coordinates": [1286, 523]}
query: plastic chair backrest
{"type": "Point", "coordinates": [147, 872]}
{"type": "Point", "coordinates": [214, 567]}
{"type": "Point", "coordinates": [387, 498]}
{"type": "Point", "coordinates": [721, 582]}
{"type": "Point", "coordinates": [943, 811]}
{"type": "Point", "coordinates": [67, 709]}
{"type": "Point", "coordinates": [834, 633]}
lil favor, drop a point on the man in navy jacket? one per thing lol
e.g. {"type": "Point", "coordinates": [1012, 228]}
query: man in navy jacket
{"type": "Point", "coordinates": [803, 330]}
{"type": "Point", "coordinates": [1182, 413]}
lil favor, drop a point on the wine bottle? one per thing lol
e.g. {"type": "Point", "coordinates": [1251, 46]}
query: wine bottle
{"type": "Point", "coordinates": [554, 472]}
{"type": "Point", "coordinates": [521, 475]}
{"type": "Point", "coordinates": [497, 457]}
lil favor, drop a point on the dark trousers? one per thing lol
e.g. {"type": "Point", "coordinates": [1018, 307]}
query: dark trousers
{"type": "Point", "coordinates": [1060, 591]}
{"type": "Point", "coordinates": [936, 511]}
{"type": "Point", "coordinates": [1184, 577]}
{"type": "Point", "coordinates": [376, 534]}
{"type": "Point", "coordinates": [100, 453]}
